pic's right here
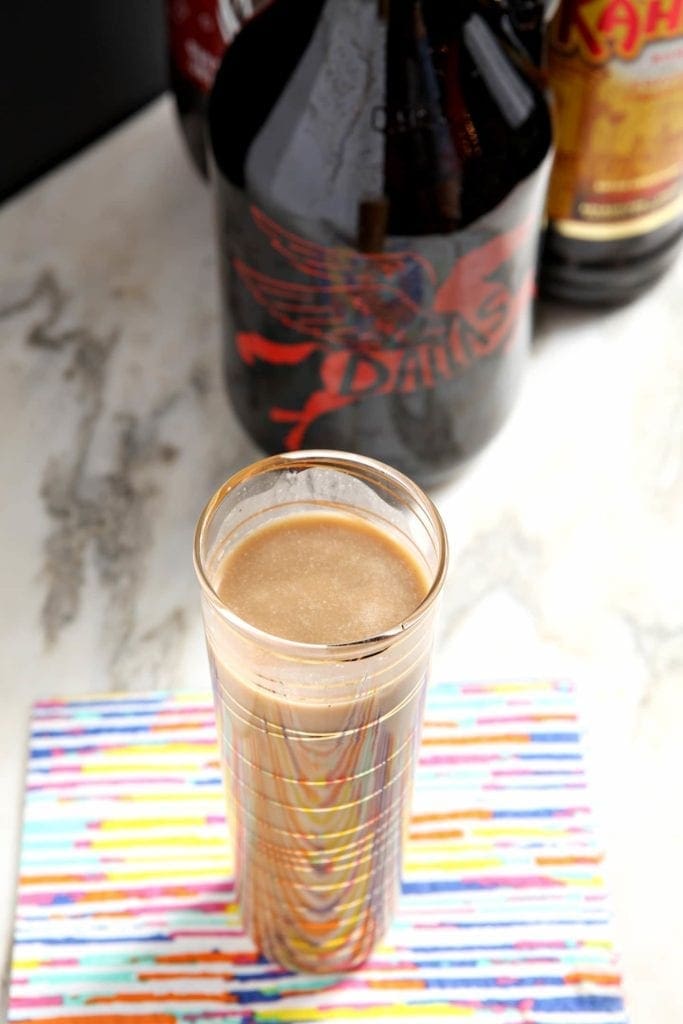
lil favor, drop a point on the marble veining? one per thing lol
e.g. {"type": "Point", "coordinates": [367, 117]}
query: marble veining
{"type": "Point", "coordinates": [106, 512]}
{"type": "Point", "coordinates": [566, 533]}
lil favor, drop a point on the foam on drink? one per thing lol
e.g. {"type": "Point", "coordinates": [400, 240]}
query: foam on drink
{"type": "Point", "coordinates": [323, 578]}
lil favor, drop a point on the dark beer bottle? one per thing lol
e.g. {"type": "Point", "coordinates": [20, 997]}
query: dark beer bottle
{"type": "Point", "coordinates": [379, 187]}
{"type": "Point", "coordinates": [615, 206]}
{"type": "Point", "coordinates": [198, 32]}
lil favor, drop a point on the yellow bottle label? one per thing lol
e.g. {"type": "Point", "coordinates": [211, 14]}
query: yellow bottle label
{"type": "Point", "coordinates": [616, 69]}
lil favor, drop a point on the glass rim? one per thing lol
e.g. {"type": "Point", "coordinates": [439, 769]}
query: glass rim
{"type": "Point", "coordinates": [345, 462]}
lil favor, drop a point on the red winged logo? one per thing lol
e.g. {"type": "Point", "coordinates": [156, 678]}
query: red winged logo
{"type": "Point", "coordinates": [379, 323]}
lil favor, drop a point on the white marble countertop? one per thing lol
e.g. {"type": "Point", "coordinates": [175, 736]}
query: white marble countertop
{"type": "Point", "coordinates": [566, 535]}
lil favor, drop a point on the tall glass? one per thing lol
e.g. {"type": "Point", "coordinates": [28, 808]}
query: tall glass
{"type": "Point", "coordinates": [318, 742]}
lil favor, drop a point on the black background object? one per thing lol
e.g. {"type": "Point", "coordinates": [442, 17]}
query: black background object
{"type": "Point", "coordinates": [68, 72]}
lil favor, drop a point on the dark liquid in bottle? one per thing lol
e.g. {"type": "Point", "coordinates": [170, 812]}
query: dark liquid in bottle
{"type": "Point", "coordinates": [379, 187]}
{"type": "Point", "coordinates": [198, 32]}
{"type": "Point", "coordinates": [607, 273]}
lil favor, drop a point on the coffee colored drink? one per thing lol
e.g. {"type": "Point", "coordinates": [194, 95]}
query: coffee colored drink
{"type": "Point", "coordinates": [322, 578]}
{"type": "Point", "coordinates": [319, 695]}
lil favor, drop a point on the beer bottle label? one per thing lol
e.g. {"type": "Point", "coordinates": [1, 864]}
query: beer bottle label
{"type": "Point", "coordinates": [320, 331]}
{"type": "Point", "coordinates": [616, 69]}
{"type": "Point", "coordinates": [196, 38]}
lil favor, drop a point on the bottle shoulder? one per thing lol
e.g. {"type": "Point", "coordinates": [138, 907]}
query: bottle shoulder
{"type": "Point", "coordinates": [440, 111]}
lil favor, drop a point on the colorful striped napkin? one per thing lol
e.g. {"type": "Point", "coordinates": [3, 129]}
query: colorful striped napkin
{"type": "Point", "coordinates": [126, 908]}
